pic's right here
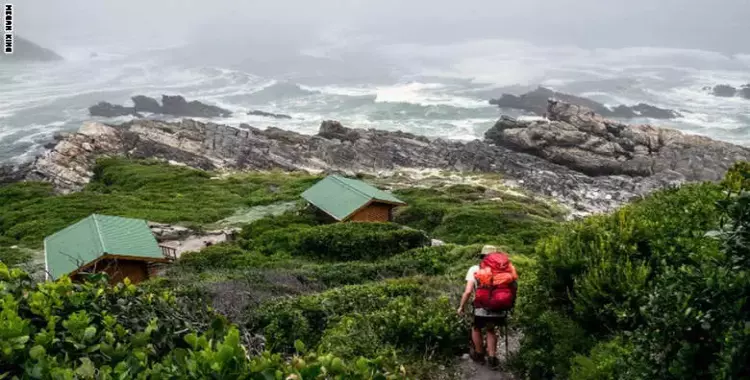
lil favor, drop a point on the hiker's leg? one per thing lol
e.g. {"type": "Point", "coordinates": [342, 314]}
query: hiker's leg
{"type": "Point", "coordinates": [476, 337]}
{"type": "Point", "coordinates": [491, 340]}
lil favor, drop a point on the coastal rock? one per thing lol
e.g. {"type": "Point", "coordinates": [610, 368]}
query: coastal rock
{"type": "Point", "coordinates": [559, 169]}
{"type": "Point", "coordinates": [12, 173]}
{"type": "Point", "coordinates": [745, 91]}
{"type": "Point", "coordinates": [25, 50]}
{"type": "Point", "coordinates": [173, 105]}
{"type": "Point", "coordinates": [143, 103]}
{"type": "Point", "coordinates": [176, 105]}
{"type": "Point", "coordinates": [105, 109]}
{"type": "Point", "coordinates": [536, 102]}
{"type": "Point", "coordinates": [578, 138]}
{"type": "Point", "coordinates": [269, 114]}
{"type": "Point", "coordinates": [724, 90]}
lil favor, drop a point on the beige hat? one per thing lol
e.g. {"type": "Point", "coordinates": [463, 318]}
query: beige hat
{"type": "Point", "coordinates": [487, 249]}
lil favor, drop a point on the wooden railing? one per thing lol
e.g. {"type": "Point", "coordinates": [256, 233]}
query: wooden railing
{"type": "Point", "coordinates": [168, 252]}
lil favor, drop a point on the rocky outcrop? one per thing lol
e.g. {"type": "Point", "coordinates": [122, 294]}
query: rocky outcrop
{"type": "Point", "coordinates": [173, 105]}
{"type": "Point", "coordinates": [177, 106]}
{"type": "Point", "coordinates": [143, 103]}
{"type": "Point", "coordinates": [104, 109]}
{"type": "Point", "coordinates": [727, 91]}
{"type": "Point", "coordinates": [12, 173]}
{"type": "Point", "coordinates": [536, 102]}
{"type": "Point", "coordinates": [578, 138]}
{"type": "Point", "coordinates": [624, 162]}
{"type": "Point", "coordinates": [269, 114]}
{"type": "Point", "coordinates": [25, 50]}
{"type": "Point", "coordinates": [724, 90]}
{"type": "Point", "coordinates": [744, 91]}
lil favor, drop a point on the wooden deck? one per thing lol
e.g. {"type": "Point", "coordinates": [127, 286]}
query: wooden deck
{"type": "Point", "coordinates": [169, 252]}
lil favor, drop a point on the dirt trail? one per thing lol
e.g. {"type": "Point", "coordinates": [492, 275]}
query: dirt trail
{"type": "Point", "coordinates": [473, 371]}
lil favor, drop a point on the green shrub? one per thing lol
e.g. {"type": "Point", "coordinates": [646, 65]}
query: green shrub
{"type": "Point", "coordinates": [215, 256]}
{"type": "Point", "coordinates": [310, 315]}
{"type": "Point", "coordinates": [94, 331]}
{"type": "Point", "coordinates": [608, 360]}
{"type": "Point", "coordinates": [660, 288]}
{"type": "Point", "coordinates": [549, 343]}
{"type": "Point", "coordinates": [464, 214]}
{"type": "Point", "coordinates": [406, 326]}
{"type": "Point", "coordinates": [358, 241]}
{"type": "Point", "coordinates": [265, 225]}
{"type": "Point", "coordinates": [13, 256]}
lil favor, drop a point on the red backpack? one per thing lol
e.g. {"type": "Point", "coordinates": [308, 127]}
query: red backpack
{"type": "Point", "coordinates": [496, 283]}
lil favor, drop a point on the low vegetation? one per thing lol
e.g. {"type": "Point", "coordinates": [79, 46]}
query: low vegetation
{"type": "Point", "coordinates": [658, 289]}
{"type": "Point", "coordinates": [144, 189]}
{"type": "Point", "coordinates": [62, 330]}
{"type": "Point", "coordinates": [466, 214]}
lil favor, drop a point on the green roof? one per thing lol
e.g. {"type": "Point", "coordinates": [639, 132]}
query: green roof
{"type": "Point", "coordinates": [97, 235]}
{"type": "Point", "coordinates": [340, 197]}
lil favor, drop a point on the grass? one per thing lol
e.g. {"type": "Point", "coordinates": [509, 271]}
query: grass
{"type": "Point", "coordinates": [466, 214]}
{"type": "Point", "coordinates": [140, 189]}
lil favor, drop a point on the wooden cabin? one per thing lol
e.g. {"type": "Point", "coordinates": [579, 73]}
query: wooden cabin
{"type": "Point", "coordinates": [120, 247]}
{"type": "Point", "coordinates": [342, 199]}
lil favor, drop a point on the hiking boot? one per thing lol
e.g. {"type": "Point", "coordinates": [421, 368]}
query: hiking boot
{"type": "Point", "coordinates": [493, 362]}
{"type": "Point", "coordinates": [477, 358]}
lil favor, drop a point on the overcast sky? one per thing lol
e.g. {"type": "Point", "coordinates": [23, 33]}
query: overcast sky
{"type": "Point", "coordinates": [719, 25]}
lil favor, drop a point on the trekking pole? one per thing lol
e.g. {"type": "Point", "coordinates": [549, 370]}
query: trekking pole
{"type": "Point", "coordinates": [506, 340]}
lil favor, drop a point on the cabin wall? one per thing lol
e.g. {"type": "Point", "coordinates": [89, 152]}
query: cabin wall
{"type": "Point", "coordinates": [375, 212]}
{"type": "Point", "coordinates": [118, 269]}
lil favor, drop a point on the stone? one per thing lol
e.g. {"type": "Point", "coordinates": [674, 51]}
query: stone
{"type": "Point", "coordinates": [269, 114]}
{"type": "Point", "coordinates": [143, 103]}
{"type": "Point", "coordinates": [176, 105]}
{"type": "Point", "coordinates": [581, 140]}
{"type": "Point", "coordinates": [105, 109]}
{"type": "Point", "coordinates": [724, 90]}
{"type": "Point", "coordinates": [745, 91]}
{"type": "Point", "coordinates": [536, 102]}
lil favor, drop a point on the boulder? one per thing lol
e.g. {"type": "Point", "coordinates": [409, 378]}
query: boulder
{"type": "Point", "coordinates": [536, 102]}
{"type": "Point", "coordinates": [146, 104]}
{"type": "Point", "coordinates": [176, 105]}
{"type": "Point", "coordinates": [745, 91]}
{"type": "Point", "coordinates": [269, 114]}
{"type": "Point", "coordinates": [105, 109]}
{"type": "Point", "coordinates": [580, 139]}
{"type": "Point", "coordinates": [724, 90]}
{"type": "Point", "coordinates": [25, 50]}
{"type": "Point", "coordinates": [331, 129]}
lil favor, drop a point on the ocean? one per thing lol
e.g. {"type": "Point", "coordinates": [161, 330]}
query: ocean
{"type": "Point", "coordinates": [438, 90]}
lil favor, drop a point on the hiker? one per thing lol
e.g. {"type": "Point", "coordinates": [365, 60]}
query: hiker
{"type": "Point", "coordinates": [493, 283]}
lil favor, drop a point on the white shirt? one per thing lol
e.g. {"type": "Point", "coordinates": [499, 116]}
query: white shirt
{"type": "Point", "coordinates": [479, 311]}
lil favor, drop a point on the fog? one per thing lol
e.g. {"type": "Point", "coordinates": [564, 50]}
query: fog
{"type": "Point", "coordinates": [694, 24]}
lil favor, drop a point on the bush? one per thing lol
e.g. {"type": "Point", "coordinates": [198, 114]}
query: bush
{"type": "Point", "coordinates": [358, 241]}
{"type": "Point", "coordinates": [660, 288]}
{"type": "Point", "coordinates": [406, 326]}
{"type": "Point", "coordinates": [215, 256]}
{"type": "Point", "coordinates": [13, 256]}
{"type": "Point", "coordinates": [65, 330]}
{"type": "Point", "coordinates": [464, 214]}
{"type": "Point", "coordinates": [307, 317]}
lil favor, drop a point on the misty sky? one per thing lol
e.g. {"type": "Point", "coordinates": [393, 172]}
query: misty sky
{"type": "Point", "coordinates": [718, 25]}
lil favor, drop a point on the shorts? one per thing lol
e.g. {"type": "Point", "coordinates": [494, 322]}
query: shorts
{"type": "Point", "coordinates": [490, 322]}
